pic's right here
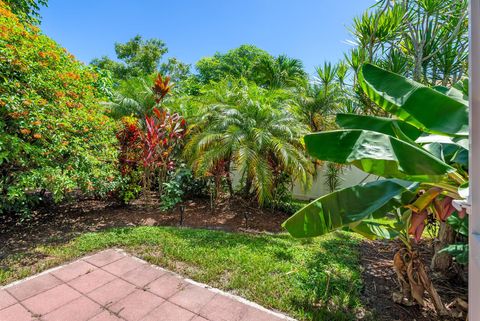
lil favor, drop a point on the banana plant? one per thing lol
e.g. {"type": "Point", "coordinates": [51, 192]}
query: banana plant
{"type": "Point", "coordinates": [421, 156]}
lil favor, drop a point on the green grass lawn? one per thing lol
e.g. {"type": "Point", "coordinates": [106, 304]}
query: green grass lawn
{"type": "Point", "coordinates": [317, 279]}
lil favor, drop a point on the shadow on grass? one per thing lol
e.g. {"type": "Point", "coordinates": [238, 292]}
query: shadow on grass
{"type": "Point", "coordinates": [332, 281]}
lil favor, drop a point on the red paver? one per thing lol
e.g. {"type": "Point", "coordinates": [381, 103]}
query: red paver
{"type": "Point", "coordinates": [15, 313]}
{"type": "Point", "coordinates": [81, 309]}
{"type": "Point", "coordinates": [112, 292]}
{"type": "Point", "coordinates": [91, 281]}
{"type": "Point", "coordinates": [34, 286]}
{"type": "Point", "coordinates": [136, 305]}
{"type": "Point", "coordinates": [51, 299]}
{"type": "Point", "coordinates": [105, 316]}
{"type": "Point", "coordinates": [169, 312]}
{"type": "Point", "coordinates": [6, 299]}
{"type": "Point", "coordinates": [167, 285]}
{"type": "Point", "coordinates": [193, 298]}
{"type": "Point", "coordinates": [123, 266]}
{"type": "Point", "coordinates": [143, 275]}
{"type": "Point", "coordinates": [74, 270]}
{"type": "Point", "coordinates": [222, 308]}
{"type": "Point", "coordinates": [105, 257]}
{"type": "Point", "coordinates": [112, 286]}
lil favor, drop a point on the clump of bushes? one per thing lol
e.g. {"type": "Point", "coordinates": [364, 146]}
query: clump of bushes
{"type": "Point", "coordinates": [54, 137]}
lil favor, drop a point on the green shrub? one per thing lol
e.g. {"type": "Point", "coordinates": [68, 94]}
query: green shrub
{"type": "Point", "coordinates": [54, 137]}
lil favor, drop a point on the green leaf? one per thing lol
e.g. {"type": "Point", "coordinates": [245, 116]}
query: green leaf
{"type": "Point", "coordinates": [454, 93]}
{"type": "Point", "coordinates": [425, 108]}
{"type": "Point", "coordinates": [459, 141]}
{"type": "Point", "coordinates": [350, 205]}
{"type": "Point", "coordinates": [388, 126]}
{"type": "Point", "coordinates": [374, 230]}
{"type": "Point", "coordinates": [378, 154]}
{"type": "Point", "coordinates": [459, 225]}
{"type": "Point", "coordinates": [459, 251]}
{"type": "Point", "coordinates": [449, 153]}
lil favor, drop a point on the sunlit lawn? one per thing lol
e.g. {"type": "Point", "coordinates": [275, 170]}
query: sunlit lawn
{"type": "Point", "coordinates": [315, 279]}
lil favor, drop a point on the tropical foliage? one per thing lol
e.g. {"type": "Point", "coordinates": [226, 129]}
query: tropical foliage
{"type": "Point", "coordinates": [54, 137]}
{"type": "Point", "coordinates": [253, 125]}
{"type": "Point", "coordinates": [423, 40]}
{"type": "Point", "coordinates": [250, 130]}
{"type": "Point", "coordinates": [421, 153]}
{"type": "Point", "coordinates": [26, 10]}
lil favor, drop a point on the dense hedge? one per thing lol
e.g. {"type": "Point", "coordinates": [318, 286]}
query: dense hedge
{"type": "Point", "coordinates": [54, 137]}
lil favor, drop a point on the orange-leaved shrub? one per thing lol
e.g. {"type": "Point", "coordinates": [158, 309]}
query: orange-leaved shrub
{"type": "Point", "coordinates": [54, 136]}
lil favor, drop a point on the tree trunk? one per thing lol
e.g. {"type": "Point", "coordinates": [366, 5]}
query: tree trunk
{"type": "Point", "coordinates": [417, 71]}
{"type": "Point", "coordinates": [229, 179]}
{"type": "Point", "coordinates": [441, 262]}
{"type": "Point", "coordinates": [248, 186]}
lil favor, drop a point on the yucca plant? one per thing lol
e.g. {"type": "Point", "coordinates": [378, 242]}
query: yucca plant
{"type": "Point", "coordinates": [421, 152]}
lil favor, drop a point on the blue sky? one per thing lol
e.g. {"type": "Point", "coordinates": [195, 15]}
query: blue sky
{"type": "Point", "coordinates": [311, 30]}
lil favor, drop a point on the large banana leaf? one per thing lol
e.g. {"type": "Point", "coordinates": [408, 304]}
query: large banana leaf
{"type": "Point", "coordinates": [374, 230]}
{"type": "Point", "coordinates": [425, 108]}
{"type": "Point", "coordinates": [378, 154]}
{"type": "Point", "coordinates": [453, 93]}
{"type": "Point", "coordinates": [449, 153]}
{"type": "Point", "coordinates": [449, 149]}
{"type": "Point", "coordinates": [350, 205]}
{"type": "Point", "coordinates": [389, 126]}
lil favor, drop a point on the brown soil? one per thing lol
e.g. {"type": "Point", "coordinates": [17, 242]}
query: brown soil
{"type": "Point", "coordinates": [380, 282]}
{"type": "Point", "coordinates": [67, 221]}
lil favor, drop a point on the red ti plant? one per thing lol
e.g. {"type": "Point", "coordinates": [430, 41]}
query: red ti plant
{"type": "Point", "coordinates": [162, 136]}
{"type": "Point", "coordinates": [130, 140]}
{"type": "Point", "coordinates": [161, 88]}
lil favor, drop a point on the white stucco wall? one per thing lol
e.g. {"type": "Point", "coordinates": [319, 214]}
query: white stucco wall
{"type": "Point", "coordinates": [351, 176]}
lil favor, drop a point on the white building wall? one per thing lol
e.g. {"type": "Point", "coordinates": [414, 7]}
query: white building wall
{"type": "Point", "coordinates": [350, 176]}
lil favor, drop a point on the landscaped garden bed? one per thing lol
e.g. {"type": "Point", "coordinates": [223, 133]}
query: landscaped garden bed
{"type": "Point", "coordinates": [197, 167]}
{"type": "Point", "coordinates": [319, 278]}
{"type": "Point", "coordinates": [336, 277]}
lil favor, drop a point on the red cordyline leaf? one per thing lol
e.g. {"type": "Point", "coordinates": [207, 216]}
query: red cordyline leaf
{"type": "Point", "coordinates": [161, 87]}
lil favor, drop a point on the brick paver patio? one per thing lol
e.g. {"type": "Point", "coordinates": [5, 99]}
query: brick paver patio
{"type": "Point", "coordinates": [112, 285]}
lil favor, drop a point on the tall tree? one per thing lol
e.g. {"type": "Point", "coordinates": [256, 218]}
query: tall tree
{"type": "Point", "coordinates": [137, 57]}
{"type": "Point", "coordinates": [237, 63]}
{"type": "Point", "coordinates": [280, 72]}
{"type": "Point", "coordinates": [27, 10]}
{"type": "Point", "coordinates": [423, 39]}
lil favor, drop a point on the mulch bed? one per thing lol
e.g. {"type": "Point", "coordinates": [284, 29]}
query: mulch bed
{"type": "Point", "coordinates": [380, 282]}
{"type": "Point", "coordinates": [65, 222]}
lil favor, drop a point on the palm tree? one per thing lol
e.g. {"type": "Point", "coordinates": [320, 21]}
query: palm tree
{"type": "Point", "coordinates": [280, 72]}
{"type": "Point", "coordinates": [318, 102]}
{"type": "Point", "coordinates": [133, 97]}
{"type": "Point", "coordinates": [249, 130]}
